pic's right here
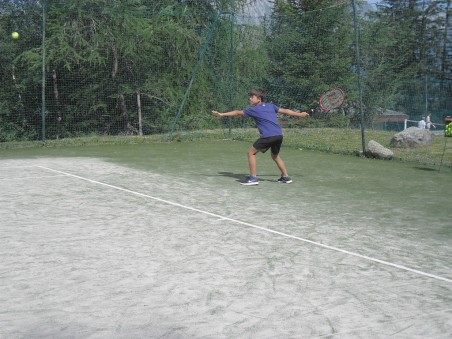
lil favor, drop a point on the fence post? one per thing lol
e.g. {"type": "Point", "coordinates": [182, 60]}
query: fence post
{"type": "Point", "coordinates": [231, 65]}
{"type": "Point", "coordinates": [358, 66]}
{"type": "Point", "coordinates": [43, 80]}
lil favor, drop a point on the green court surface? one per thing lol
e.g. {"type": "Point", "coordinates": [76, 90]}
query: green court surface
{"type": "Point", "coordinates": [160, 241]}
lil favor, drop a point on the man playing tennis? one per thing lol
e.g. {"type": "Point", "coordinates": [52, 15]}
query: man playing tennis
{"type": "Point", "coordinates": [271, 136]}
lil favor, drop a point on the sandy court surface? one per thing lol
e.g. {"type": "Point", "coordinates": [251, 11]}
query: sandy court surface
{"type": "Point", "coordinates": [90, 249]}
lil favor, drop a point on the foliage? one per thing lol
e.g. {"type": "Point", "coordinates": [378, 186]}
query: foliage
{"type": "Point", "coordinates": [404, 54]}
{"type": "Point", "coordinates": [127, 67]}
{"type": "Point", "coordinates": [310, 52]}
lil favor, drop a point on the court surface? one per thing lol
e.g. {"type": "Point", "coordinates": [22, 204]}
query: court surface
{"type": "Point", "coordinates": [91, 248]}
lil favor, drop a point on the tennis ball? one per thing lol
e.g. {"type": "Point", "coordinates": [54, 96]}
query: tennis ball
{"type": "Point", "coordinates": [15, 35]}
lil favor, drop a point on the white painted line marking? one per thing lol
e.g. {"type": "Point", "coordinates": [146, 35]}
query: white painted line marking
{"type": "Point", "coordinates": [383, 262]}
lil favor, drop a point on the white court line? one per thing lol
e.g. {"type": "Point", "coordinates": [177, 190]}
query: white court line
{"type": "Point", "coordinates": [383, 262]}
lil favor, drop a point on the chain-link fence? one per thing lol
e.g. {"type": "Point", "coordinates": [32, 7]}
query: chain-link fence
{"type": "Point", "coordinates": [96, 67]}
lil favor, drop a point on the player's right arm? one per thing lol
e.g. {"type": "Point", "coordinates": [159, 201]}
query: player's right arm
{"type": "Point", "coordinates": [234, 113]}
{"type": "Point", "coordinates": [293, 113]}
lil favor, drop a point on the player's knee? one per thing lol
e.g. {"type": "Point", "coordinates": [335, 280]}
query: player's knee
{"type": "Point", "coordinates": [252, 151]}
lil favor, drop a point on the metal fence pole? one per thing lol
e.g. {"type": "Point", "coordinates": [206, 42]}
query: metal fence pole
{"type": "Point", "coordinates": [358, 66]}
{"type": "Point", "coordinates": [43, 80]}
{"type": "Point", "coordinates": [231, 66]}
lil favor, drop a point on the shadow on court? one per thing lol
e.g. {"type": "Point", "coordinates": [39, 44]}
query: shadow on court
{"type": "Point", "coordinates": [240, 176]}
{"type": "Point", "coordinates": [236, 176]}
{"type": "Point", "coordinates": [426, 169]}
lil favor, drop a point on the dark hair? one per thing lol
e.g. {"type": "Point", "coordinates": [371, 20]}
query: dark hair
{"type": "Point", "coordinates": [258, 92]}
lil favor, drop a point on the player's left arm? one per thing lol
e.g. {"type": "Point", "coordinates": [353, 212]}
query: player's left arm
{"type": "Point", "coordinates": [292, 113]}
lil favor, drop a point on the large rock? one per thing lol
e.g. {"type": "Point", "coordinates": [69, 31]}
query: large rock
{"type": "Point", "coordinates": [412, 137]}
{"type": "Point", "coordinates": [375, 150]}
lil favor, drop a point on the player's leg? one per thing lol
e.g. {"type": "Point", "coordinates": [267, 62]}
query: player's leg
{"type": "Point", "coordinates": [252, 161]}
{"type": "Point", "coordinates": [285, 179]}
{"type": "Point", "coordinates": [275, 148]}
{"type": "Point", "coordinates": [281, 165]}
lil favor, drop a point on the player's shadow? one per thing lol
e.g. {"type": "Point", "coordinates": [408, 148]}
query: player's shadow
{"type": "Point", "coordinates": [238, 176]}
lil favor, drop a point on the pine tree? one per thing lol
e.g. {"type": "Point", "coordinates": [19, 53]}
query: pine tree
{"type": "Point", "coordinates": [403, 53]}
{"type": "Point", "coordinates": [310, 50]}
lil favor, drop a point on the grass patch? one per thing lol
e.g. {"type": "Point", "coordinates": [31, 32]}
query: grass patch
{"type": "Point", "coordinates": [334, 140]}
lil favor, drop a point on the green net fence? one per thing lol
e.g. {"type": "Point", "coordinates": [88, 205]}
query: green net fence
{"type": "Point", "coordinates": [158, 68]}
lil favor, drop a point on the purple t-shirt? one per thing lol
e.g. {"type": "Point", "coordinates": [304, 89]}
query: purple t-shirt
{"type": "Point", "coordinates": [266, 119]}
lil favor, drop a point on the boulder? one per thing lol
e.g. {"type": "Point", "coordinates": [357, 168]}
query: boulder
{"type": "Point", "coordinates": [375, 150]}
{"type": "Point", "coordinates": [412, 137]}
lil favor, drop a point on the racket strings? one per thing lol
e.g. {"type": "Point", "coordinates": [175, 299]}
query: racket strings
{"type": "Point", "coordinates": [332, 99]}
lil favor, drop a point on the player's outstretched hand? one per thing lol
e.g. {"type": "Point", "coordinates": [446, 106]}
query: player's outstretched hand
{"type": "Point", "coordinates": [217, 114]}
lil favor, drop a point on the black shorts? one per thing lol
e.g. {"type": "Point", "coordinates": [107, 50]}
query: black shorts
{"type": "Point", "coordinates": [263, 144]}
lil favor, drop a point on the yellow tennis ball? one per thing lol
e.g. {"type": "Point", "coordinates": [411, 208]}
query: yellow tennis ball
{"type": "Point", "coordinates": [15, 35]}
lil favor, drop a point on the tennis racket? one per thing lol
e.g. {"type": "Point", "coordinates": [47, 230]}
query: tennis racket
{"type": "Point", "coordinates": [332, 99]}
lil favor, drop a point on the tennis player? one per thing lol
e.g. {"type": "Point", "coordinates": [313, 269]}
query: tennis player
{"type": "Point", "coordinates": [271, 135]}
